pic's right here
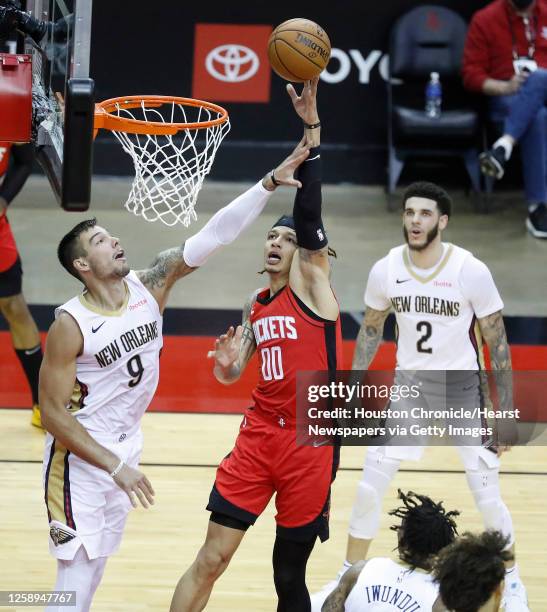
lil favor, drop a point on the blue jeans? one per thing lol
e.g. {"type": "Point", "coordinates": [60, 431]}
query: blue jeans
{"type": "Point", "coordinates": [524, 116]}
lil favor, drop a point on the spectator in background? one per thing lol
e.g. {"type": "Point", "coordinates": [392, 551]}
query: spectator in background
{"type": "Point", "coordinates": [24, 333]}
{"type": "Point", "coordinates": [505, 57]}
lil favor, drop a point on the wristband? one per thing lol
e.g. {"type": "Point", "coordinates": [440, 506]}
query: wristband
{"type": "Point", "coordinates": [312, 126]}
{"type": "Point", "coordinates": [117, 469]}
{"type": "Point", "coordinates": [274, 180]}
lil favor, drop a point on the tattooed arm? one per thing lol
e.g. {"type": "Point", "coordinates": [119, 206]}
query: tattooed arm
{"type": "Point", "coordinates": [165, 270]}
{"type": "Point", "coordinates": [335, 602]}
{"type": "Point", "coordinates": [369, 338]}
{"type": "Point", "coordinates": [493, 332]}
{"type": "Point", "coordinates": [234, 349]}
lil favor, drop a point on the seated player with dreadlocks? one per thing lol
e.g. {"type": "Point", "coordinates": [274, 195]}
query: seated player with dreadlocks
{"type": "Point", "coordinates": [382, 584]}
{"type": "Point", "coordinates": [471, 571]}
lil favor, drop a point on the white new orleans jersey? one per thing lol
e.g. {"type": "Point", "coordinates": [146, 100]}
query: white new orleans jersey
{"type": "Point", "coordinates": [436, 309]}
{"type": "Point", "coordinates": [386, 586]}
{"type": "Point", "coordinates": [118, 370]}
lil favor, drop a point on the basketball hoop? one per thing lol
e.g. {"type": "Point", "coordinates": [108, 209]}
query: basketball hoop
{"type": "Point", "coordinates": [172, 142]}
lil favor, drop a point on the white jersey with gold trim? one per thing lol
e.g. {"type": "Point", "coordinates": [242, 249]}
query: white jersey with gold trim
{"type": "Point", "coordinates": [386, 586]}
{"type": "Point", "coordinates": [118, 370]}
{"type": "Point", "coordinates": [436, 309]}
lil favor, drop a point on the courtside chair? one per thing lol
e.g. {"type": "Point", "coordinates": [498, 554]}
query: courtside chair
{"type": "Point", "coordinates": [429, 39]}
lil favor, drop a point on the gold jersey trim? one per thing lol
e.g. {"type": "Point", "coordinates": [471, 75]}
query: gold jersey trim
{"type": "Point", "coordinates": [476, 331]}
{"type": "Point", "coordinates": [58, 501]}
{"type": "Point", "coordinates": [436, 272]}
{"type": "Point", "coordinates": [79, 393]}
{"type": "Point", "coordinates": [102, 311]}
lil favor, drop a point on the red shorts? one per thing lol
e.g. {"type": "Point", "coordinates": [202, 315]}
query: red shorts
{"type": "Point", "coordinates": [8, 248]}
{"type": "Point", "coordinates": [266, 460]}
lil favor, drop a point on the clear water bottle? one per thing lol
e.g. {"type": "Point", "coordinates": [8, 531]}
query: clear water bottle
{"type": "Point", "coordinates": [433, 96]}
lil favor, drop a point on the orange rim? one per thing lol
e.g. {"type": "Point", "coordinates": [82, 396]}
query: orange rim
{"type": "Point", "coordinates": [105, 120]}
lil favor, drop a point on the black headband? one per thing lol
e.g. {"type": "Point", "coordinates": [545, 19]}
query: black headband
{"type": "Point", "coordinates": [284, 221]}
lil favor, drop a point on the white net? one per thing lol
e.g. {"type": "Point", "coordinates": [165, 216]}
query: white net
{"type": "Point", "coordinates": [169, 170]}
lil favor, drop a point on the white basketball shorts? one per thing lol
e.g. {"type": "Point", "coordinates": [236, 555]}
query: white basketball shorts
{"type": "Point", "coordinates": [85, 506]}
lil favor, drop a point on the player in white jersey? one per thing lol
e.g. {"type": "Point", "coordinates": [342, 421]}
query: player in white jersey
{"type": "Point", "coordinates": [382, 584]}
{"type": "Point", "coordinates": [445, 303]}
{"type": "Point", "coordinates": [99, 374]}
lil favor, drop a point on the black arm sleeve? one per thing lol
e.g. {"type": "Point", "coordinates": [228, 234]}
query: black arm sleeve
{"type": "Point", "coordinates": [308, 224]}
{"type": "Point", "coordinates": [22, 158]}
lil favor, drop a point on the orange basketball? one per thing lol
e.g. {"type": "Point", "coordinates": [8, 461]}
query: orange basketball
{"type": "Point", "coordinates": [299, 50]}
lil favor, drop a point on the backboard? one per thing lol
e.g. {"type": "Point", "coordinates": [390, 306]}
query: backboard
{"type": "Point", "coordinates": [63, 98]}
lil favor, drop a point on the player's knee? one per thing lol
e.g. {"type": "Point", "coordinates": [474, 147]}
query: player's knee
{"type": "Point", "coordinates": [287, 581]}
{"type": "Point", "coordinates": [98, 571]}
{"type": "Point", "coordinates": [365, 516]}
{"type": "Point", "coordinates": [12, 308]}
{"type": "Point", "coordinates": [211, 563]}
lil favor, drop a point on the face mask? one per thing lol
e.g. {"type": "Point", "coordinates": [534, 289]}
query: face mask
{"type": "Point", "coordinates": [521, 5]}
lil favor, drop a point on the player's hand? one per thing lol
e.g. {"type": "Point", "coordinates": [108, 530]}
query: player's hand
{"type": "Point", "coordinates": [136, 485]}
{"type": "Point", "coordinates": [305, 104]}
{"type": "Point", "coordinates": [506, 435]}
{"type": "Point", "coordinates": [226, 351]}
{"type": "Point", "coordinates": [515, 83]}
{"type": "Point", "coordinates": [284, 173]}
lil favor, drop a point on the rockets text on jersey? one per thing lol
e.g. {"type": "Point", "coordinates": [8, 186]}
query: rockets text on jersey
{"type": "Point", "coordinates": [289, 337]}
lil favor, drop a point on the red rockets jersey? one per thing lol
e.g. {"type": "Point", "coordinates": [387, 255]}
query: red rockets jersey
{"type": "Point", "coordinates": [4, 157]}
{"type": "Point", "coordinates": [8, 249]}
{"type": "Point", "coordinates": [289, 337]}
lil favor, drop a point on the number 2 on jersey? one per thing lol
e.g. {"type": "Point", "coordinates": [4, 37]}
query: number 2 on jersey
{"type": "Point", "coordinates": [420, 327]}
{"type": "Point", "coordinates": [272, 364]}
{"type": "Point", "coordinates": [135, 369]}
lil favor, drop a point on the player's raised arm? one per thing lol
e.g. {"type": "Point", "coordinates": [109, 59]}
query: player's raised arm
{"type": "Point", "coordinates": [310, 269]}
{"type": "Point", "coordinates": [57, 376]}
{"type": "Point", "coordinates": [336, 601]}
{"type": "Point", "coordinates": [222, 229]}
{"type": "Point", "coordinates": [234, 349]}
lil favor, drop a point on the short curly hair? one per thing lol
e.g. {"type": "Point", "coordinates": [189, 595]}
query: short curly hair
{"type": "Point", "coordinates": [424, 189]}
{"type": "Point", "coordinates": [470, 569]}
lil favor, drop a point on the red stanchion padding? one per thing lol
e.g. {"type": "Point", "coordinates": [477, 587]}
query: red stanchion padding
{"type": "Point", "coordinates": [15, 97]}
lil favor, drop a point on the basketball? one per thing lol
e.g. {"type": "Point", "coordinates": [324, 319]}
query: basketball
{"type": "Point", "coordinates": [298, 50]}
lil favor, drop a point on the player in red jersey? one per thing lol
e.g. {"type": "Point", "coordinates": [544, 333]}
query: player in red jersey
{"type": "Point", "coordinates": [23, 329]}
{"type": "Point", "coordinates": [293, 324]}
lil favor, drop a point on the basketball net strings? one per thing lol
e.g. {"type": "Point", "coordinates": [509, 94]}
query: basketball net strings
{"type": "Point", "coordinates": [170, 170]}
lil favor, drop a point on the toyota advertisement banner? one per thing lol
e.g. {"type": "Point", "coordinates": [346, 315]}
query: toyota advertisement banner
{"type": "Point", "coordinates": [210, 51]}
{"type": "Point", "coordinates": [231, 63]}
